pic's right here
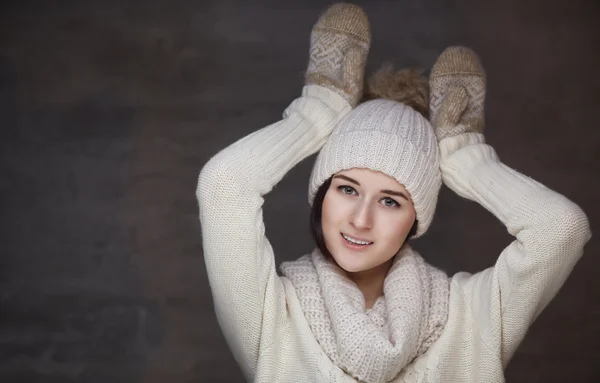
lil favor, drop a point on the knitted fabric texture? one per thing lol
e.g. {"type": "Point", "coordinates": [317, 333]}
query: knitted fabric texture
{"type": "Point", "coordinates": [339, 44]}
{"type": "Point", "coordinates": [457, 87]}
{"type": "Point", "coordinates": [489, 311]}
{"type": "Point", "coordinates": [391, 138]}
{"type": "Point", "coordinates": [372, 345]}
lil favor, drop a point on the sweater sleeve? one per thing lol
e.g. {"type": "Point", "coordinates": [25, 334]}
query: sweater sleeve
{"type": "Point", "coordinates": [550, 232]}
{"type": "Point", "coordinates": [247, 293]}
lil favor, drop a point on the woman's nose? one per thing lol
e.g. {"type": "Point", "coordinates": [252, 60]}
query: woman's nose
{"type": "Point", "coordinates": [362, 216]}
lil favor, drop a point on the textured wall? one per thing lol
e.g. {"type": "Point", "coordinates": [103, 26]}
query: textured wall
{"type": "Point", "coordinates": [109, 109]}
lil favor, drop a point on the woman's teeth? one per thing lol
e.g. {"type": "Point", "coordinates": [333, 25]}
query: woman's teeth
{"type": "Point", "coordinates": [355, 241]}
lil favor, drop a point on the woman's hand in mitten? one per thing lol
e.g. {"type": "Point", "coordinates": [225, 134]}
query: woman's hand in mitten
{"type": "Point", "coordinates": [457, 88]}
{"type": "Point", "coordinates": [340, 43]}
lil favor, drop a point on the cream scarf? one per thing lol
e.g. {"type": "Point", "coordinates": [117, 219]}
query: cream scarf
{"type": "Point", "coordinates": [372, 345]}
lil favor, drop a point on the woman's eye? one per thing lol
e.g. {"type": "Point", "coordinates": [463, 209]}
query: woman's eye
{"type": "Point", "coordinates": [346, 189]}
{"type": "Point", "coordinates": [390, 202]}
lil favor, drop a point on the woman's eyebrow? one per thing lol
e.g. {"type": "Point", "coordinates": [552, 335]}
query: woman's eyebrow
{"type": "Point", "coordinates": [347, 179]}
{"type": "Point", "coordinates": [396, 193]}
{"type": "Point", "coordinates": [385, 191]}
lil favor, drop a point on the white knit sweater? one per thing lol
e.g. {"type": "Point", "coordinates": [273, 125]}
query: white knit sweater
{"type": "Point", "coordinates": [489, 312]}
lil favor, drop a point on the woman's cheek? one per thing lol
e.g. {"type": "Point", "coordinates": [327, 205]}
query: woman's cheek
{"type": "Point", "coordinates": [397, 226]}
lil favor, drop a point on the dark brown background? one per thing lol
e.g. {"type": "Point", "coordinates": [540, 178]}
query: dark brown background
{"type": "Point", "coordinates": [109, 109]}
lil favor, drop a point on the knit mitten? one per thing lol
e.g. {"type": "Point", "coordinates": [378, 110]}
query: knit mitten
{"type": "Point", "coordinates": [340, 42]}
{"type": "Point", "coordinates": [457, 93]}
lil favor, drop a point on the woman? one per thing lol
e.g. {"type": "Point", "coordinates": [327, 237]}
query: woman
{"type": "Point", "coordinates": [364, 306]}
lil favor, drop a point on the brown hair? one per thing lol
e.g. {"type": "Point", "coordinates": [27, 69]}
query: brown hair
{"type": "Point", "coordinates": [407, 86]}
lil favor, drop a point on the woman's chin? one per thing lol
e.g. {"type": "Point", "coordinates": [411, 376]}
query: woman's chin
{"type": "Point", "coordinates": [350, 265]}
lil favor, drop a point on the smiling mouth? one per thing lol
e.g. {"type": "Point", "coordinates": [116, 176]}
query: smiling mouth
{"type": "Point", "coordinates": [349, 241]}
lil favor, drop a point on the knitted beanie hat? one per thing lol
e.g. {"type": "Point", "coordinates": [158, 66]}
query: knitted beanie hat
{"type": "Point", "coordinates": [389, 137]}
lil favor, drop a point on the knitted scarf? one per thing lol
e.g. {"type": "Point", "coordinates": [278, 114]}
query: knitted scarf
{"type": "Point", "coordinates": [372, 345]}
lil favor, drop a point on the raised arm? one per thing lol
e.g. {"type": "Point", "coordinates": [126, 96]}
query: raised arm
{"type": "Point", "coordinates": [248, 295]}
{"type": "Point", "coordinates": [550, 230]}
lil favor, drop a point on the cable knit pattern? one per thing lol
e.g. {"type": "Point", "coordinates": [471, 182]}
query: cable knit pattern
{"type": "Point", "coordinates": [372, 345]}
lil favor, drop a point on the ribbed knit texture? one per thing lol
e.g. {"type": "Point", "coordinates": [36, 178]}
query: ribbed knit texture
{"type": "Point", "coordinates": [391, 138]}
{"type": "Point", "coordinates": [372, 345]}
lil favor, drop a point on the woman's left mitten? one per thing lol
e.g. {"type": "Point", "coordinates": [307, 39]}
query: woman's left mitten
{"type": "Point", "coordinates": [339, 45]}
{"type": "Point", "coordinates": [457, 87]}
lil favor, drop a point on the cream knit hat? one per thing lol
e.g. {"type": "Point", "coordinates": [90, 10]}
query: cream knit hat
{"type": "Point", "coordinates": [389, 137]}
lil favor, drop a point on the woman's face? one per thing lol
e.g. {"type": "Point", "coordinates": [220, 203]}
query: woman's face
{"type": "Point", "coordinates": [369, 207]}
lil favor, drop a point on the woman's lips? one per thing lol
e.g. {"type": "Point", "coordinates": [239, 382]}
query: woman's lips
{"type": "Point", "coordinates": [353, 246]}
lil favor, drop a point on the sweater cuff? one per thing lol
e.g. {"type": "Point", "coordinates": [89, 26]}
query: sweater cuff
{"type": "Point", "coordinates": [459, 155]}
{"type": "Point", "coordinates": [451, 145]}
{"type": "Point", "coordinates": [333, 99]}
